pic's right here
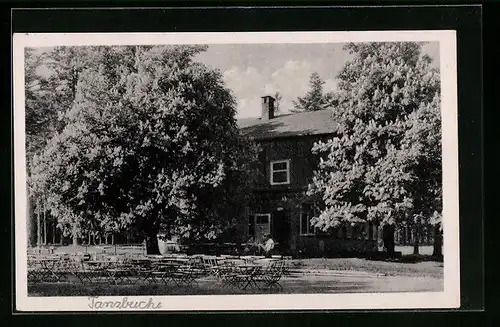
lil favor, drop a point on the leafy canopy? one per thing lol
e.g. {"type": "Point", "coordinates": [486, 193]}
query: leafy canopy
{"type": "Point", "coordinates": [151, 140]}
{"type": "Point", "coordinates": [314, 98]}
{"type": "Point", "coordinates": [385, 163]}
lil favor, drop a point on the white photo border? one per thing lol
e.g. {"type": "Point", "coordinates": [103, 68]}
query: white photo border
{"type": "Point", "coordinates": [448, 298]}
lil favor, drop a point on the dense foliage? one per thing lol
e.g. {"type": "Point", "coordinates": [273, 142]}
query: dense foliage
{"type": "Point", "coordinates": [314, 99]}
{"type": "Point", "coordinates": [150, 140]}
{"type": "Point", "coordinates": [385, 164]}
{"type": "Point", "coordinates": [277, 104]}
{"type": "Point", "coordinates": [50, 86]}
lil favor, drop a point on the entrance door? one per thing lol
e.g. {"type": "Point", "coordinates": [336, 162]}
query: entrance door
{"type": "Point", "coordinates": [281, 230]}
{"type": "Point", "coordinates": [262, 226]}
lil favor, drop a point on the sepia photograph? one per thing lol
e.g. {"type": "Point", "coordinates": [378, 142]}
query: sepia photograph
{"type": "Point", "coordinates": [191, 171]}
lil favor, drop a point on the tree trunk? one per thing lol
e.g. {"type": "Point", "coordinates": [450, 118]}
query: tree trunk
{"type": "Point", "coordinates": [112, 239]}
{"type": "Point", "coordinates": [54, 230]}
{"type": "Point", "coordinates": [31, 220]}
{"type": "Point", "coordinates": [44, 225]}
{"type": "Point", "coordinates": [380, 237]}
{"type": "Point", "coordinates": [438, 242]}
{"type": "Point", "coordinates": [416, 240]}
{"type": "Point", "coordinates": [388, 234]}
{"type": "Point", "coordinates": [152, 242]}
{"type": "Point", "coordinates": [38, 225]}
{"type": "Point", "coordinates": [74, 235]}
{"type": "Point", "coordinates": [44, 230]}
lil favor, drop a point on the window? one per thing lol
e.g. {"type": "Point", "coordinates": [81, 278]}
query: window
{"type": "Point", "coordinates": [280, 172]}
{"type": "Point", "coordinates": [262, 219]}
{"type": "Point", "coordinates": [261, 226]}
{"type": "Point", "coordinates": [305, 221]}
{"type": "Point", "coordinates": [256, 223]}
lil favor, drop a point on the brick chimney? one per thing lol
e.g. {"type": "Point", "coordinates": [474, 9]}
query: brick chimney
{"type": "Point", "coordinates": [267, 107]}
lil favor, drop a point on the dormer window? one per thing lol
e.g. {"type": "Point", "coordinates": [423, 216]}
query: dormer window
{"type": "Point", "coordinates": [280, 172]}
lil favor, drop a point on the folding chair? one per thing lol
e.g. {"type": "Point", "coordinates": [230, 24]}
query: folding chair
{"type": "Point", "coordinates": [35, 272]}
{"type": "Point", "coordinates": [144, 271]}
{"type": "Point", "coordinates": [162, 272]}
{"type": "Point", "coordinates": [64, 268]}
{"type": "Point", "coordinates": [187, 274]}
{"type": "Point", "coordinates": [227, 274]}
{"type": "Point", "coordinates": [120, 273]}
{"type": "Point", "coordinates": [272, 275]}
{"type": "Point", "coordinates": [246, 277]}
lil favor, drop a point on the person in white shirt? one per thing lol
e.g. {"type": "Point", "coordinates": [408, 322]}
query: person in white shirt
{"type": "Point", "coordinates": [268, 245]}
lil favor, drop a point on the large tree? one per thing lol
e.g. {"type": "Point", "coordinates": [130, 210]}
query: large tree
{"type": "Point", "coordinates": [51, 78]}
{"type": "Point", "coordinates": [385, 164]}
{"type": "Point", "coordinates": [314, 99]}
{"type": "Point", "coordinates": [150, 141]}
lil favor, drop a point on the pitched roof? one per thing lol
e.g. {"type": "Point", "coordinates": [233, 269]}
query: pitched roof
{"type": "Point", "coordinates": [298, 124]}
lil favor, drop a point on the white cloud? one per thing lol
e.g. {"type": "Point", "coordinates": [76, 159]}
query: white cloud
{"type": "Point", "coordinates": [270, 88]}
{"type": "Point", "coordinates": [432, 49]}
{"type": "Point", "coordinates": [247, 86]}
{"type": "Point", "coordinates": [239, 80]}
{"type": "Point", "coordinates": [249, 107]}
{"type": "Point", "coordinates": [330, 85]}
{"type": "Point", "coordinates": [291, 80]}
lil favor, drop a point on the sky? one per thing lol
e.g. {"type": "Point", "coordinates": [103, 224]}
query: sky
{"type": "Point", "coordinates": [255, 70]}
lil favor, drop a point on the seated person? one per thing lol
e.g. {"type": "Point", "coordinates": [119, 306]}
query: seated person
{"type": "Point", "coordinates": [268, 245]}
{"type": "Point", "coordinates": [250, 247]}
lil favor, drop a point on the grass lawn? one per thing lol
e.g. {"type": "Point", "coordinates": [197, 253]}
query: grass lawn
{"type": "Point", "coordinates": [137, 249]}
{"type": "Point", "coordinates": [408, 249]}
{"type": "Point", "coordinates": [421, 269]}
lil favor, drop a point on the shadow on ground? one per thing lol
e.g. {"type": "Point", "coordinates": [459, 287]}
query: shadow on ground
{"type": "Point", "coordinates": [297, 285]}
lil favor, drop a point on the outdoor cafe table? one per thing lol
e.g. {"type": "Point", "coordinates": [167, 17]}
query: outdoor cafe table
{"type": "Point", "coordinates": [139, 260]}
{"type": "Point", "coordinates": [264, 261]}
{"type": "Point", "coordinates": [251, 258]}
{"type": "Point", "coordinates": [247, 274]}
{"type": "Point", "coordinates": [48, 266]}
{"type": "Point", "coordinates": [178, 260]}
{"type": "Point", "coordinates": [165, 271]}
{"type": "Point", "coordinates": [154, 257]}
{"type": "Point", "coordinates": [99, 263]}
{"type": "Point", "coordinates": [143, 268]}
{"type": "Point", "coordinates": [97, 268]}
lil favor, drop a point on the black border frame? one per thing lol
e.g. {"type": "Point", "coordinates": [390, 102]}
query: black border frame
{"type": "Point", "coordinates": [466, 20]}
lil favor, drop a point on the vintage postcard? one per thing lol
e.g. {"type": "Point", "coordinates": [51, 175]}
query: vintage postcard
{"type": "Point", "coordinates": [236, 171]}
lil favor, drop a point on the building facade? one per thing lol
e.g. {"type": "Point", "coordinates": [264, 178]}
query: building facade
{"type": "Point", "coordinates": [280, 206]}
